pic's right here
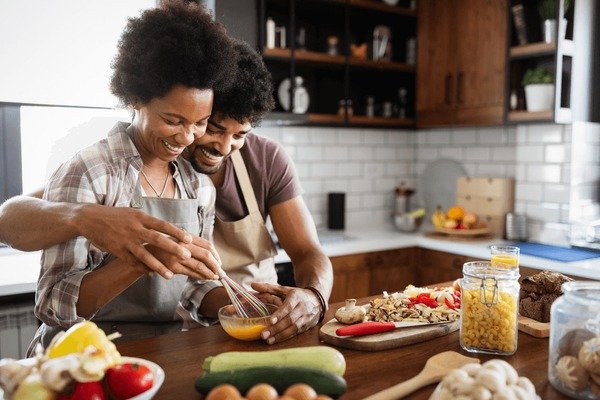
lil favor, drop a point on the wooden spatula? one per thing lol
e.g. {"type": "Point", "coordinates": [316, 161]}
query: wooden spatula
{"type": "Point", "coordinates": [435, 369]}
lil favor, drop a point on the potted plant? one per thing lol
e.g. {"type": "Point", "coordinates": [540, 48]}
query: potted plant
{"type": "Point", "coordinates": [548, 11]}
{"type": "Point", "coordinates": [539, 89]}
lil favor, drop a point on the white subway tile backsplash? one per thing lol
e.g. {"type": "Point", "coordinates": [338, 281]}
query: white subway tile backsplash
{"type": "Point", "coordinates": [312, 186]}
{"type": "Point", "coordinates": [322, 136]}
{"type": "Point", "coordinates": [405, 153]}
{"type": "Point", "coordinates": [521, 134]}
{"type": "Point", "coordinates": [353, 201]}
{"type": "Point", "coordinates": [491, 170]}
{"type": "Point", "coordinates": [376, 200]}
{"type": "Point", "coordinates": [386, 184]}
{"type": "Point", "coordinates": [401, 137]}
{"type": "Point", "coordinates": [294, 135]}
{"type": "Point", "coordinates": [362, 185]}
{"type": "Point", "coordinates": [373, 136]}
{"type": "Point", "coordinates": [271, 132]}
{"type": "Point", "coordinates": [544, 173]}
{"type": "Point", "coordinates": [438, 137]}
{"type": "Point", "coordinates": [374, 169]}
{"type": "Point", "coordinates": [545, 133]}
{"type": "Point", "coordinates": [556, 193]}
{"type": "Point", "coordinates": [349, 169]}
{"type": "Point", "coordinates": [303, 170]}
{"type": "Point", "coordinates": [477, 154]}
{"type": "Point", "coordinates": [468, 137]}
{"type": "Point", "coordinates": [350, 136]}
{"type": "Point", "coordinates": [361, 153]}
{"type": "Point", "coordinates": [309, 153]}
{"type": "Point", "coordinates": [494, 136]}
{"type": "Point", "coordinates": [529, 191]}
{"type": "Point", "coordinates": [427, 153]}
{"type": "Point", "coordinates": [337, 153]}
{"type": "Point", "coordinates": [504, 153]}
{"type": "Point", "coordinates": [323, 170]}
{"type": "Point", "coordinates": [398, 169]}
{"type": "Point", "coordinates": [521, 173]}
{"type": "Point", "coordinates": [546, 212]}
{"type": "Point", "coordinates": [453, 153]}
{"type": "Point", "coordinates": [530, 154]}
{"type": "Point", "coordinates": [555, 153]}
{"type": "Point", "coordinates": [336, 185]}
{"type": "Point", "coordinates": [385, 153]}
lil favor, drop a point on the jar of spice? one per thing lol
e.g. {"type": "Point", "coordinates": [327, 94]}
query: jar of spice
{"type": "Point", "coordinates": [574, 356]}
{"type": "Point", "coordinates": [489, 306]}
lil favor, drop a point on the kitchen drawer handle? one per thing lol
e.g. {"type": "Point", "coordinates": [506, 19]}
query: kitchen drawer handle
{"type": "Point", "coordinates": [459, 84]}
{"type": "Point", "coordinates": [448, 84]}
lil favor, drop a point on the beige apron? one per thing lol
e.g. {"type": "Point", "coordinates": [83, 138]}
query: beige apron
{"type": "Point", "coordinates": [245, 246]}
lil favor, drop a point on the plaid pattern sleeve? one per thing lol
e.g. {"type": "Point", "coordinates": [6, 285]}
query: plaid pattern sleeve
{"type": "Point", "coordinates": [189, 305]}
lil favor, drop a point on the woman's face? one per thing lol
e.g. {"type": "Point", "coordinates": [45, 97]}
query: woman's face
{"type": "Point", "coordinates": [223, 135]}
{"type": "Point", "coordinates": [166, 125]}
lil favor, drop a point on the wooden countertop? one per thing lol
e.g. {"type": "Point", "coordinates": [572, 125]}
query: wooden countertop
{"type": "Point", "coordinates": [181, 355]}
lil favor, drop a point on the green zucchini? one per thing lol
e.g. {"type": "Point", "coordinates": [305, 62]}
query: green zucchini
{"type": "Point", "coordinates": [319, 357]}
{"type": "Point", "coordinates": [280, 378]}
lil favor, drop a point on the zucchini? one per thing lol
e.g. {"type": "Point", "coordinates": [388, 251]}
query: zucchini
{"type": "Point", "coordinates": [280, 378]}
{"type": "Point", "coordinates": [319, 357]}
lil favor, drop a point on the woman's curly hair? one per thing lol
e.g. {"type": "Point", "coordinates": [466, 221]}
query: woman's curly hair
{"type": "Point", "coordinates": [250, 96]}
{"type": "Point", "coordinates": [176, 43]}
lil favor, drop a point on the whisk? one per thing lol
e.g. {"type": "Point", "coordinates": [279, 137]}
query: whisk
{"type": "Point", "coordinates": [245, 303]}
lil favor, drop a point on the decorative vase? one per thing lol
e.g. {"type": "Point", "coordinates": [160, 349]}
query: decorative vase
{"type": "Point", "coordinates": [550, 30]}
{"type": "Point", "coordinates": [539, 97]}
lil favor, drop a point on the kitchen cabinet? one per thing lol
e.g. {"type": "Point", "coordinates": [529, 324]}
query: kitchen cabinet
{"type": "Point", "coordinates": [367, 274]}
{"type": "Point", "coordinates": [433, 266]}
{"type": "Point", "coordinates": [314, 40]}
{"type": "Point", "coordinates": [461, 62]}
{"type": "Point", "coordinates": [570, 56]}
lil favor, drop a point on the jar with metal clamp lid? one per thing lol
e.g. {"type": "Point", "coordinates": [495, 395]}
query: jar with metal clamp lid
{"type": "Point", "coordinates": [574, 354]}
{"type": "Point", "coordinates": [489, 307]}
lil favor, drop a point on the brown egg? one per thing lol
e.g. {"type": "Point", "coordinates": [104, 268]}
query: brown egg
{"type": "Point", "coordinates": [262, 391]}
{"type": "Point", "coordinates": [323, 397]}
{"type": "Point", "coordinates": [224, 392]}
{"type": "Point", "coordinates": [286, 397]}
{"type": "Point", "coordinates": [301, 391]}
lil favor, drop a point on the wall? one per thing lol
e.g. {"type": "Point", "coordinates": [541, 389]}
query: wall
{"type": "Point", "coordinates": [368, 164]}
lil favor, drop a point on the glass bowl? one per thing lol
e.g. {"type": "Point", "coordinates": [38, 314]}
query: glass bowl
{"type": "Point", "coordinates": [243, 328]}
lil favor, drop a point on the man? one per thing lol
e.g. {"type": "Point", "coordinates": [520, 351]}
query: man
{"type": "Point", "coordinates": [244, 245]}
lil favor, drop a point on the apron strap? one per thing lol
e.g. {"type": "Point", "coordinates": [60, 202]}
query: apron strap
{"type": "Point", "coordinates": [244, 180]}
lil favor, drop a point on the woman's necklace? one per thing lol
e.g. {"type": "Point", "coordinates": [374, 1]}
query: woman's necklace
{"type": "Point", "coordinates": [154, 189]}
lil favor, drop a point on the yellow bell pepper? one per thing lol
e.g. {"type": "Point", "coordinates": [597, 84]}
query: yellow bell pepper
{"type": "Point", "coordinates": [79, 337]}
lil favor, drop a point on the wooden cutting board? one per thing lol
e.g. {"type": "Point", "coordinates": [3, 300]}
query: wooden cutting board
{"type": "Point", "coordinates": [386, 340]}
{"type": "Point", "coordinates": [533, 327]}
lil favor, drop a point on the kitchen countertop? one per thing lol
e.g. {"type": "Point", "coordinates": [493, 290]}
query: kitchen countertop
{"type": "Point", "coordinates": [181, 354]}
{"type": "Point", "coordinates": [19, 271]}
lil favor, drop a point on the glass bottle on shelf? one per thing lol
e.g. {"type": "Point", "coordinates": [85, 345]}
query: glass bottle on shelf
{"type": "Point", "coordinates": [301, 99]}
{"type": "Point", "coordinates": [402, 103]}
{"type": "Point", "coordinates": [370, 108]}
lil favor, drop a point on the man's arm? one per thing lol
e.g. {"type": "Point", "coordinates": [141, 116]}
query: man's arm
{"type": "Point", "coordinates": [29, 223]}
{"type": "Point", "coordinates": [297, 234]}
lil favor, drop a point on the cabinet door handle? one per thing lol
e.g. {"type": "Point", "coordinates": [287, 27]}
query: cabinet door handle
{"type": "Point", "coordinates": [447, 86]}
{"type": "Point", "coordinates": [459, 84]}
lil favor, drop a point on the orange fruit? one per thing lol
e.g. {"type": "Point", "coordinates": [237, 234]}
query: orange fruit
{"type": "Point", "coordinates": [456, 212]}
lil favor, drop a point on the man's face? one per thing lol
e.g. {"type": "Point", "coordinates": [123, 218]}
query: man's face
{"type": "Point", "coordinates": [208, 153]}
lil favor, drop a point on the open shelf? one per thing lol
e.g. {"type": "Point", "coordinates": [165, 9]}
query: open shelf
{"type": "Point", "coordinates": [325, 118]}
{"type": "Point", "coordinates": [380, 121]}
{"type": "Point", "coordinates": [527, 116]}
{"type": "Point", "coordinates": [388, 65]}
{"type": "Point", "coordinates": [539, 49]}
{"type": "Point", "coordinates": [304, 55]}
{"type": "Point", "coordinates": [373, 5]}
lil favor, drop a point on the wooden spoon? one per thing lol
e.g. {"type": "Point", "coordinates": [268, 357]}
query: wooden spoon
{"type": "Point", "coordinates": [435, 369]}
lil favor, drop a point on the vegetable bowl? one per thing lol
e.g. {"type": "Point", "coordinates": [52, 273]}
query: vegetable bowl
{"type": "Point", "coordinates": [157, 374]}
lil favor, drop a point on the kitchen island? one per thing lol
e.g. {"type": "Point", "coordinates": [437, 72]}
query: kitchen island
{"type": "Point", "coordinates": [181, 356]}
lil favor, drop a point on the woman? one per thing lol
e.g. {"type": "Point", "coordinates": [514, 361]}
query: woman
{"type": "Point", "coordinates": [168, 61]}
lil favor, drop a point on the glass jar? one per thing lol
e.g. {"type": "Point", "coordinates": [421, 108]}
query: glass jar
{"type": "Point", "coordinates": [489, 306]}
{"type": "Point", "coordinates": [574, 354]}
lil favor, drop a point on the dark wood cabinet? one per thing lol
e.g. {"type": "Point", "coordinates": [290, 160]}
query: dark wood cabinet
{"type": "Point", "coordinates": [461, 62]}
{"type": "Point", "coordinates": [367, 274]}
{"type": "Point", "coordinates": [434, 266]}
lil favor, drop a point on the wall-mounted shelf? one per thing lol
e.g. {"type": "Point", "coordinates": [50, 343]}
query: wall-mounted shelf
{"type": "Point", "coordinates": [379, 64]}
{"type": "Point", "coordinates": [364, 120]}
{"type": "Point", "coordinates": [539, 49]}
{"type": "Point", "coordinates": [526, 116]}
{"type": "Point", "coordinates": [304, 55]}
{"type": "Point", "coordinates": [374, 5]}
{"type": "Point", "coordinates": [326, 118]}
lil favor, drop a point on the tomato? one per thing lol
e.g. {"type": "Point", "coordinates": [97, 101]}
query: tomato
{"type": "Point", "coordinates": [128, 380]}
{"type": "Point", "coordinates": [85, 391]}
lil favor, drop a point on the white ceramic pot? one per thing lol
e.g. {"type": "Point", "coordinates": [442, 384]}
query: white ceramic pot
{"type": "Point", "coordinates": [539, 97]}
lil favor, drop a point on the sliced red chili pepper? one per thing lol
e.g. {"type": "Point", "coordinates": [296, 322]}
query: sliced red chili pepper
{"type": "Point", "coordinates": [449, 305]}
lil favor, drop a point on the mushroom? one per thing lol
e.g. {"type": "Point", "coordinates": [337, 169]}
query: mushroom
{"type": "Point", "coordinates": [12, 373]}
{"type": "Point", "coordinates": [56, 372]}
{"type": "Point", "coordinates": [350, 313]}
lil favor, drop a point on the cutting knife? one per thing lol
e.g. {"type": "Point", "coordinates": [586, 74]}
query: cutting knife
{"type": "Point", "coordinates": [368, 328]}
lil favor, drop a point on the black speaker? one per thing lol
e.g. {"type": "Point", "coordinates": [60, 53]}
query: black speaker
{"type": "Point", "coordinates": [336, 210]}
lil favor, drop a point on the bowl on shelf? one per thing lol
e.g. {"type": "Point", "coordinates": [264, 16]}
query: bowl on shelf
{"type": "Point", "coordinates": [407, 222]}
{"type": "Point", "coordinates": [243, 328]}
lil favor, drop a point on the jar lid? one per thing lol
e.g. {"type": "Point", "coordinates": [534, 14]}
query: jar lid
{"type": "Point", "coordinates": [485, 270]}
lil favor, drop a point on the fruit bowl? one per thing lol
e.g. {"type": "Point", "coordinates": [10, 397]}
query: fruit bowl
{"type": "Point", "coordinates": [243, 328]}
{"type": "Point", "coordinates": [476, 231]}
{"type": "Point", "coordinates": [407, 222]}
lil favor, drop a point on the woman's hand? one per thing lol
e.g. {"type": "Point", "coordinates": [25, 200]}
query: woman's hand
{"type": "Point", "coordinates": [204, 262]}
{"type": "Point", "coordinates": [299, 311]}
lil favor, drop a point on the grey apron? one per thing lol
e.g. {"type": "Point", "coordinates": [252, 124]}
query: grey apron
{"type": "Point", "coordinates": [147, 307]}
{"type": "Point", "coordinates": [245, 246]}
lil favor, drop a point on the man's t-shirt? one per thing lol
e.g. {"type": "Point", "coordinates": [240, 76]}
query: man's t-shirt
{"type": "Point", "coordinates": [272, 175]}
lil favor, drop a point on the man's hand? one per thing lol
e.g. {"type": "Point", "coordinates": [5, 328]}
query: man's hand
{"type": "Point", "coordinates": [203, 264]}
{"type": "Point", "coordinates": [124, 231]}
{"type": "Point", "coordinates": [299, 312]}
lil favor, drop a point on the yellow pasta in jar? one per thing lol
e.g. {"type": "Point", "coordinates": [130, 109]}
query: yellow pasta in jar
{"type": "Point", "coordinates": [491, 327]}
